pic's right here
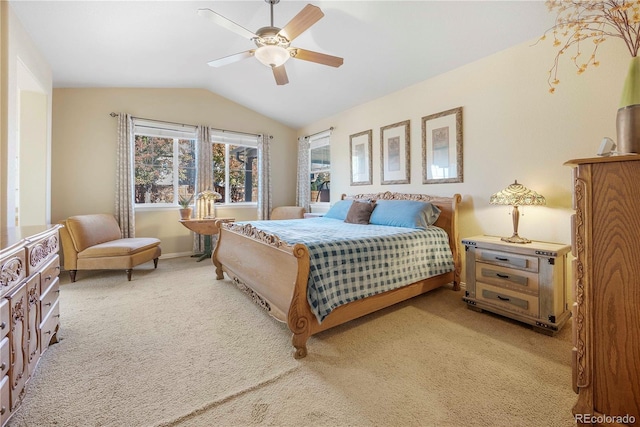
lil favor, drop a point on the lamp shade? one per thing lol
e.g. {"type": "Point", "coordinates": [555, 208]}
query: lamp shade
{"type": "Point", "coordinates": [272, 56]}
{"type": "Point", "coordinates": [517, 195]}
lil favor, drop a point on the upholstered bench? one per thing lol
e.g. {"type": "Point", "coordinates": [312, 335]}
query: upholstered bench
{"type": "Point", "coordinates": [94, 242]}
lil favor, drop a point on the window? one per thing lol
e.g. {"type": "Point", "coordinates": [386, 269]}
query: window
{"type": "Point", "coordinates": [166, 168]}
{"type": "Point", "coordinates": [320, 167]}
{"type": "Point", "coordinates": [235, 166]}
{"type": "Point", "coordinates": [164, 159]}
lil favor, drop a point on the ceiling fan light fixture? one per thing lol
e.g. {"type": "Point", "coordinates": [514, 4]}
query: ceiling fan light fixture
{"type": "Point", "coordinates": [272, 56]}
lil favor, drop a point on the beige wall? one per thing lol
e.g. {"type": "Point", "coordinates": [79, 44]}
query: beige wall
{"type": "Point", "coordinates": [513, 129]}
{"type": "Point", "coordinates": [84, 151]}
{"type": "Point", "coordinates": [34, 160]}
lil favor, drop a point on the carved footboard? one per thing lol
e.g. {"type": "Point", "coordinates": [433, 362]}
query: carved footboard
{"type": "Point", "coordinates": [272, 272]}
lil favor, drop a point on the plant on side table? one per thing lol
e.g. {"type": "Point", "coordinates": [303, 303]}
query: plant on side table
{"type": "Point", "coordinates": [185, 209]}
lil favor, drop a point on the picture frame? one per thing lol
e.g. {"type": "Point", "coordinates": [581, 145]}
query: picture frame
{"type": "Point", "coordinates": [395, 153]}
{"type": "Point", "coordinates": [360, 145]}
{"type": "Point", "coordinates": [442, 147]}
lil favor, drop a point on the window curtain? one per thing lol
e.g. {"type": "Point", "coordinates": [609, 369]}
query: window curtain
{"type": "Point", "coordinates": [204, 174]}
{"type": "Point", "coordinates": [125, 214]}
{"type": "Point", "coordinates": [264, 177]}
{"type": "Point", "coordinates": [303, 190]}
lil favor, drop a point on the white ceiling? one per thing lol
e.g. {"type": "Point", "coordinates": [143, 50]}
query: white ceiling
{"type": "Point", "coordinates": [386, 46]}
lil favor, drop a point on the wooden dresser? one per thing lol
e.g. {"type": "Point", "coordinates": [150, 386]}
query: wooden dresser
{"type": "Point", "coordinates": [29, 309]}
{"type": "Point", "coordinates": [606, 271]}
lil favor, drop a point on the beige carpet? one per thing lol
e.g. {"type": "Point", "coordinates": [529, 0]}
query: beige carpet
{"type": "Point", "coordinates": [175, 347]}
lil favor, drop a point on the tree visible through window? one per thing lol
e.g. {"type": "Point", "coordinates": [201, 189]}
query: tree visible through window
{"type": "Point", "coordinates": [235, 172]}
{"type": "Point", "coordinates": [164, 169]}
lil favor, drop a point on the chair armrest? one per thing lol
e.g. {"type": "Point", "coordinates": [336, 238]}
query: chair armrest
{"type": "Point", "coordinates": [70, 255]}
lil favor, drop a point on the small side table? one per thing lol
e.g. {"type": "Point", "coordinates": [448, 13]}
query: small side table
{"type": "Point", "coordinates": [206, 227]}
{"type": "Point", "coordinates": [526, 282]}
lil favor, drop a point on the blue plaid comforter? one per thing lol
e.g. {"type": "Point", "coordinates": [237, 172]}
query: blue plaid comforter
{"type": "Point", "coordinates": [353, 261]}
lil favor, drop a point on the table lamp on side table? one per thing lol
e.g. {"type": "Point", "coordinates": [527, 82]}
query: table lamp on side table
{"type": "Point", "coordinates": [517, 195]}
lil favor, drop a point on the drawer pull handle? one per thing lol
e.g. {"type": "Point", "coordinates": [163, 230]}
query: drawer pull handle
{"type": "Point", "coordinates": [3, 325]}
{"type": "Point", "coordinates": [502, 259]}
{"type": "Point", "coordinates": [502, 276]}
{"type": "Point", "coordinates": [57, 315]}
{"type": "Point", "coordinates": [502, 298]}
{"type": "Point", "coordinates": [47, 278]}
{"type": "Point", "coordinates": [4, 365]}
{"type": "Point", "coordinates": [48, 332]}
{"type": "Point", "coordinates": [57, 291]}
{"type": "Point", "coordinates": [48, 304]}
{"type": "Point", "coordinates": [57, 267]}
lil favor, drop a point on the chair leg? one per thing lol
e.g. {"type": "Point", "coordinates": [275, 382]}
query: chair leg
{"type": "Point", "coordinates": [72, 275]}
{"type": "Point", "coordinates": [129, 271]}
{"type": "Point", "coordinates": [155, 263]}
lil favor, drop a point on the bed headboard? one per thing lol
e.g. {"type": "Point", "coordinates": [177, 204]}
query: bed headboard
{"type": "Point", "coordinates": [448, 219]}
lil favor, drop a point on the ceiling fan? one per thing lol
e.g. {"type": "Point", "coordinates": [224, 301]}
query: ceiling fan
{"type": "Point", "coordinates": [273, 43]}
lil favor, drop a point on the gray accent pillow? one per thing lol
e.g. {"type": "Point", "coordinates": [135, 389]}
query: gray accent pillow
{"type": "Point", "coordinates": [360, 212]}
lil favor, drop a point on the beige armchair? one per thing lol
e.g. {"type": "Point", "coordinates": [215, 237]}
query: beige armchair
{"type": "Point", "coordinates": [287, 212]}
{"type": "Point", "coordinates": [93, 242]}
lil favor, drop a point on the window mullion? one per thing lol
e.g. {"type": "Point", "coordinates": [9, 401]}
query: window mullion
{"type": "Point", "coordinates": [176, 167]}
{"type": "Point", "coordinates": [227, 185]}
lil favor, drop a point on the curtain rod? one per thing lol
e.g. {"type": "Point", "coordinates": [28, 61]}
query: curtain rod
{"type": "Point", "coordinates": [318, 133]}
{"type": "Point", "coordinates": [186, 124]}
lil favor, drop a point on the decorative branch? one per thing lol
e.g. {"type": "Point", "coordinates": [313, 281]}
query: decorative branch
{"type": "Point", "coordinates": [578, 21]}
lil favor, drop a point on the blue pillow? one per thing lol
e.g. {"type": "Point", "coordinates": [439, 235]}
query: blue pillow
{"type": "Point", "coordinates": [339, 210]}
{"type": "Point", "coordinates": [404, 213]}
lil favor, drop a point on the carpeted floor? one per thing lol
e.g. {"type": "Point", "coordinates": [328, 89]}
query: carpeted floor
{"type": "Point", "coordinates": [175, 347]}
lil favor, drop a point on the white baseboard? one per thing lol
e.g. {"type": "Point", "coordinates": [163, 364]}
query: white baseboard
{"type": "Point", "coordinates": [175, 255]}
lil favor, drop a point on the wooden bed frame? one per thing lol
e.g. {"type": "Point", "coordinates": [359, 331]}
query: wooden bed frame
{"type": "Point", "coordinates": [275, 274]}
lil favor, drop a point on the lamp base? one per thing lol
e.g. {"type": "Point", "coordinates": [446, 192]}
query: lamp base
{"type": "Point", "coordinates": [515, 239]}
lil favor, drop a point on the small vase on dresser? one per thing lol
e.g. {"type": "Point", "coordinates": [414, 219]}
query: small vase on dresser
{"type": "Point", "coordinates": [606, 288]}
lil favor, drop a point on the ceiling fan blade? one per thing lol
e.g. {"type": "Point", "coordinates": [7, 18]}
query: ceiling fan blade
{"type": "Point", "coordinates": [226, 23]}
{"type": "Point", "coordinates": [301, 22]}
{"type": "Point", "coordinates": [320, 58]}
{"type": "Point", "coordinates": [281, 75]}
{"type": "Point", "coordinates": [231, 59]}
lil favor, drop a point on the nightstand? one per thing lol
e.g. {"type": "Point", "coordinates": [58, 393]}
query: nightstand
{"type": "Point", "coordinates": [526, 282]}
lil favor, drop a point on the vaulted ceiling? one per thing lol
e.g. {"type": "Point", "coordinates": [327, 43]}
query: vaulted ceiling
{"type": "Point", "coordinates": [386, 46]}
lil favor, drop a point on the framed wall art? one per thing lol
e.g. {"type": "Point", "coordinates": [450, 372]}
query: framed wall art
{"type": "Point", "coordinates": [442, 147]}
{"type": "Point", "coordinates": [361, 160]}
{"type": "Point", "coordinates": [395, 147]}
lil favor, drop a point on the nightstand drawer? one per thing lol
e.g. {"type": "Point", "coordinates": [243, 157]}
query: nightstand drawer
{"type": "Point", "coordinates": [517, 280]}
{"type": "Point", "coordinates": [521, 262]}
{"type": "Point", "coordinates": [507, 299]}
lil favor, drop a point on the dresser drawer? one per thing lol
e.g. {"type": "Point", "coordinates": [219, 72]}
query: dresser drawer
{"type": "Point", "coordinates": [517, 280]}
{"type": "Point", "coordinates": [41, 250]}
{"type": "Point", "coordinates": [4, 317]}
{"type": "Point", "coordinates": [49, 273]}
{"type": "Point", "coordinates": [5, 403]}
{"type": "Point", "coordinates": [49, 327]}
{"type": "Point", "coordinates": [4, 356]}
{"type": "Point", "coordinates": [48, 300]}
{"type": "Point", "coordinates": [13, 268]}
{"type": "Point", "coordinates": [521, 262]}
{"type": "Point", "coordinates": [508, 299]}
